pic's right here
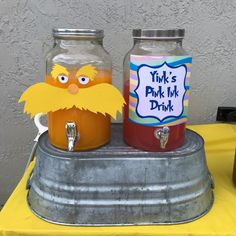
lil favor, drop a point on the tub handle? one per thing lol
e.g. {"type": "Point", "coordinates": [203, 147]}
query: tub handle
{"type": "Point", "coordinates": [41, 129]}
{"type": "Point", "coordinates": [211, 180]}
{"type": "Point", "coordinates": [29, 180]}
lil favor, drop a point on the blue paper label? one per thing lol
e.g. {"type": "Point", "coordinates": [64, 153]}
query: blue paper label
{"type": "Point", "coordinates": [159, 89]}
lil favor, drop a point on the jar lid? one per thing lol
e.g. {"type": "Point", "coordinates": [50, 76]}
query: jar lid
{"type": "Point", "coordinates": [63, 33]}
{"type": "Point", "coordinates": [158, 34]}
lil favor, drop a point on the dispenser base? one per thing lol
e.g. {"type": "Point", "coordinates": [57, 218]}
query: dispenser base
{"type": "Point", "coordinates": [120, 185]}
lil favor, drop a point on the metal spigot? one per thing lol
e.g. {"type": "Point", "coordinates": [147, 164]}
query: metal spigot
{"type": "Point", "coordinates": [163, 135]}
{"type": "Point", "coordinates": [72, 135]}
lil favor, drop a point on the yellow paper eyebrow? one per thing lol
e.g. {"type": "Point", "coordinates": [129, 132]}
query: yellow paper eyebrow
{"type": "Point", "coordinates": [88, 71]}
{"type": "Point", "coordinates": [57, 70]}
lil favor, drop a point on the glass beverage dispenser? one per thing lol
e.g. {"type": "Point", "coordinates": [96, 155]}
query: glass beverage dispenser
{"type": "Point", "coordinates": [78, 60]}
{"type": "Point", "coordinates": [156, 90]}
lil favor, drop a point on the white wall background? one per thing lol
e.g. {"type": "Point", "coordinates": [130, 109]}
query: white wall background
{"type": "Point", "coordinates": [25, 37]}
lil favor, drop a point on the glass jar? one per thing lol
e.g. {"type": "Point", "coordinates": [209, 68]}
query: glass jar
{"type": "Point", "coordinates": [78, 61]}
{"type": "Point", "coordinates": [156, 90]}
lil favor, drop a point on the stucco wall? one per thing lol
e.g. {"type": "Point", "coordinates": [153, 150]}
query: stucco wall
{"type": "Point", "coordinates": [25, 37]}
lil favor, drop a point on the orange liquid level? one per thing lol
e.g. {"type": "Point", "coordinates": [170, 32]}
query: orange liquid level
{"type": "Point", "coordinates": [93, 129]}
{"type": "Point", "coordinates": [142, 137]}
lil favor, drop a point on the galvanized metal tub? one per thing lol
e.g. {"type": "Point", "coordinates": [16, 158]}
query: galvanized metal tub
{"type": "Point", "coordinates": [120, 185]}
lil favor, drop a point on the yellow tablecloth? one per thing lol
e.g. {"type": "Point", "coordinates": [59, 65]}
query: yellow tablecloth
{"type": "Point", "coordinates": [17, 219]}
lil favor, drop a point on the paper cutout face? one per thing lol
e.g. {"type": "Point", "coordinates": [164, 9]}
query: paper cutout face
{"type": "Point", "coordinates": [64, 89]}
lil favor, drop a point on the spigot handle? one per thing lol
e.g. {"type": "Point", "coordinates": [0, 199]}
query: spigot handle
{"type": "Point", "coordinates": [72, 135]}
{"type": "Point", "coordinates": [163, 135]}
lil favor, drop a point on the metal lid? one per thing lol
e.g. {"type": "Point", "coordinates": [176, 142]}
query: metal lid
{"type": "Point", "coordinates": [62, 33]}
{"type": "Point", "coordinates": [158, 34]}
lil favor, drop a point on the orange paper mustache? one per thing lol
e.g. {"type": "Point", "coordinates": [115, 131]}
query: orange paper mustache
{"type": "Point", "coordinates": [102, 98]}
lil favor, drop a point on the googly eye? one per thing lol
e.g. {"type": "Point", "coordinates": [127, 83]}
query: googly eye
{"type": "Point", "coordinates": [83, 80]}
{"type": "Point", "coordinates": [63, 79]}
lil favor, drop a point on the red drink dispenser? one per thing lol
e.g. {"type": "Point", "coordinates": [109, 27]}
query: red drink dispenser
{"type": "Point", "coordinates": [156, 90]}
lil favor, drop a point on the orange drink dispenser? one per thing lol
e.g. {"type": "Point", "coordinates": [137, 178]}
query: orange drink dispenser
{"type": "Point", "coordinates": [78, 60]}
{"type": "Point", "coordinates": [77, 94]}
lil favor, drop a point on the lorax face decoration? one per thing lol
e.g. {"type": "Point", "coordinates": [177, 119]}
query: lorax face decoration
{"type": "Point", "coordinates": [64, 89]}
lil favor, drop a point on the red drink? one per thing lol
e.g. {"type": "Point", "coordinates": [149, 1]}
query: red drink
{"type": "Point", "coordinates": [142, 137]}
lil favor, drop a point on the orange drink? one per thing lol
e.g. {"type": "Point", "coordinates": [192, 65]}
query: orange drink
{"type": "Point", "coordinates": [93, 128]}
